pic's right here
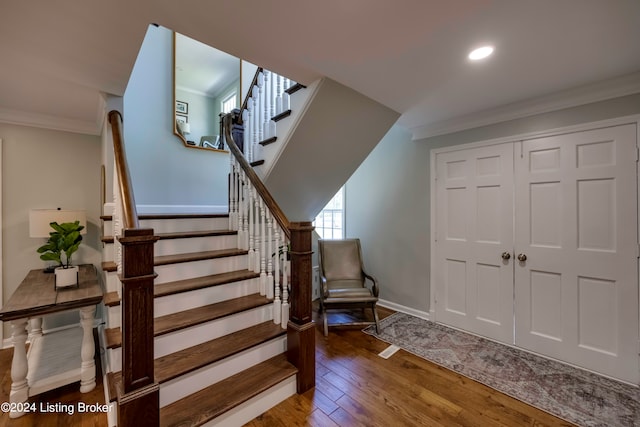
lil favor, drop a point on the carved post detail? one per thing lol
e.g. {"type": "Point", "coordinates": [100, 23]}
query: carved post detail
{"type": "Point", "coordinates": [301, 330]}
{"type": "Point", "coordinates": [138, 398]}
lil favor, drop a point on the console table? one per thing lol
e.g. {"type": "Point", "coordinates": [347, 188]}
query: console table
{"type": "Point", "coordinates": [57, 358]}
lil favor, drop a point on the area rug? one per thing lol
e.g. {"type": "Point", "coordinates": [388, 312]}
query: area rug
{"type": "Point", "coordinates": [577, 396]}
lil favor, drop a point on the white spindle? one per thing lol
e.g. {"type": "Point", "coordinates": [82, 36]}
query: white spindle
{"type": "Point", "coordinates": [261, 107]}
{"type": "Point", "coordinates": [269, 289]}
{"type": "Point", "coordinates": [267, 106]}
{"type": "Point", "coordinates": [286, 101]}
{"type": "Point", "coordinates": [273, 96]}
{"type": "Point", "coordinates": [263, 259]}
{"type": "Point", "coordinates": [250, 231]}
{"type": "Point", "coordinates": [279, 95]}
{"type": "Point", "coordinates": [256, 233]}
{"type": "Point", "coordinates": [247, 119]}
{"type": "Point", "coordinates": [232, 195]}
{"type": "Point", "coordinates": [277, 303]}
{"type": "Point", "coordinates": [240, 234]}
{"type": "Point", "coordinates": [285, 290]}
{"type": "Point", "coordinates": [257, 155]}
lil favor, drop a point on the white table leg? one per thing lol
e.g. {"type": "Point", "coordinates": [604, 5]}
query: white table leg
{"type": "Point", "coordinates": [88, 366]}
{"type": "Point", "coordinates": [19, 367]}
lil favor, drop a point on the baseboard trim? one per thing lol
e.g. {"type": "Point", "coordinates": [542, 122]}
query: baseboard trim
{"type": "Point", "coordinates": [404, 309]}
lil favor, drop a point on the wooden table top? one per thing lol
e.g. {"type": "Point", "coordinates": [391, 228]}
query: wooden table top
{"type": "Point", "coordinates": [37, 295]}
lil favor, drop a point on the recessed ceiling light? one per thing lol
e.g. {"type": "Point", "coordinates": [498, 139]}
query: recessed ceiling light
{"type": "Point", "coordinates": [480, 53]}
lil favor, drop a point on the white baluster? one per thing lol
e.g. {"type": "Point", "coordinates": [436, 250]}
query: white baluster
{"type": "Point", "coordinates": [257, 154]}
{"type": "Point", "coordinates": [273, 96]}
{"type": "Point", "coordinates": [261, 103]}
{"type": "Point", "coordinates": [247, 207]}
{"type": "Point", "coordinates": [252, 252]}
{"type": "Point", "coordinates": [232, 195]}
{"type": "Point", "coordinates": [269, 288]}
{"type": "Point", "coordinates": [240, 234]}
{"type": "Point", "coordinates": [256, 228]}
{"type": "Point", "coordinates": [246, 119]}
{"type": "Point", "coordinates": [277, 303]}
{"type": "Point", "coordinates": [285, 292]}
{"type": "Point", "coordinates": [87, 350]}
{"type": "Point", "coordinates": [279, 95]}
{"type": "Point", "coordinates": [267, 106]}
{"type": "Point", "coordinates": [19, 367]}
{"type": "Point", "coordinates": [263, 258]}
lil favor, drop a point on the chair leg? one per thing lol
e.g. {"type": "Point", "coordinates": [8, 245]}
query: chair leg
{"type": "Point", "coordinates": [375, 316]}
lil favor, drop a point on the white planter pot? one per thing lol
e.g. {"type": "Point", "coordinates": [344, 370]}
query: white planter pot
{"type": "Point", "coordinates": [66, 276]}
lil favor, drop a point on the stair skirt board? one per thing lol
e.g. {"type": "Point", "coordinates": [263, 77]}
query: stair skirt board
{"type": "Point", "coordinates": [259, 404]}
{"type": "Point", "coordinates": [198, 334]}
{"type": "Point", "coordinates": [190, 383]}
{"type": "Point", "coordinates": [193, 269]}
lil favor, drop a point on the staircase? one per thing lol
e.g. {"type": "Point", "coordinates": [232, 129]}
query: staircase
{"type": "Point", "coordinates": [219, 357]}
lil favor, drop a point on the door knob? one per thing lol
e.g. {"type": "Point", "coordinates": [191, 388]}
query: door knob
{"type": "Point", "coordinates": [522, 257]}
{"type": "Point", "coordinates": [506, 255]}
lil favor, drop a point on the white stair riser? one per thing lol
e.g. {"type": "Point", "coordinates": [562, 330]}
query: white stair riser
{"type": "Point", "coordinates": [185, 385]}
{"type": "Point", "coordinates": [190, 270]}
{"type": "Point", "coordinates": [108, 252]}
{"type": "Point", "coordinates": [199, 297]}
{"type": "Point", "coordinates": [107, 228]}
{"type": "Point", "coordinates": [194, 244]}
{"type": "Point", "coordinates": [114, 317]}
{"type": "Point", "coordinates": [187, 300]}
{"type": "Point", "coordinates": [252, 408]}
{"type": "Point", "coordinates": [185, 224]}
{"type": "Point", "coordinates": [185, 338]}
{"type": "Point", "coordinates": [112, 282]}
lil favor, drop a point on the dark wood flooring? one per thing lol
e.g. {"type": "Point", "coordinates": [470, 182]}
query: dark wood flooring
{"type": "Point", "coordinates": [354, 387]}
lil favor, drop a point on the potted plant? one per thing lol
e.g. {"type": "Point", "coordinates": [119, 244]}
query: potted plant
{"type": "Point", "coordinates": [64, 240]}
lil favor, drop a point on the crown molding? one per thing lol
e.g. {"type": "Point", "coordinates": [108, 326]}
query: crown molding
{"type": "Point", "coordinates": [45, 121]}
{"type": "Point", "coordinates": [581, 95]}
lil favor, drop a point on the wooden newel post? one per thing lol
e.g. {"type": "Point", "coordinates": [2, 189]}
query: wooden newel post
{"type": "Point", "coordinates": [301, 329]}
{"type": "Point", "coordinates": [138, 396]}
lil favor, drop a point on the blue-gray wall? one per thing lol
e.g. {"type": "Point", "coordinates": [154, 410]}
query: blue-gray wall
{"type": "Point", "coordinates": [164, 171]}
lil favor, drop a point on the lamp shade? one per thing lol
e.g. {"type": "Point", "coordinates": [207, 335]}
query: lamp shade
{"type": "Point", "coordinates": [39, 220]}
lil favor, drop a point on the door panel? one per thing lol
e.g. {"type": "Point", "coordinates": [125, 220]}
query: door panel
{"type": "Point", "coordinates": [474, 217]}
{"type": "Point", "coordinates": [576, 295]}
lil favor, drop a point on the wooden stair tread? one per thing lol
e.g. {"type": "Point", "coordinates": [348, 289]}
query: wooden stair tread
{"type": "Point", "coordinates": [296, 87]}
{"type": "Point", "coordinates": [111, 299]}
{"type": "Point", "coordinates": [268, 141]}
{"type": "Point", "coordinates": [218, 398]}
{"type": "Point", "coordinates": [197, 256]}
{"type": "Point", "coordinates": [257, 163]}
{"type": "Point", "coordinates": [189, 359]}
{"type": "Point", "coordinates": [281, 116]}
{"type": "Point", "coordinates": [195, 316]}
{"type": "Point", "coordinates": [109, 266]}
{"type": "Point", "coordinates": [183, 235]}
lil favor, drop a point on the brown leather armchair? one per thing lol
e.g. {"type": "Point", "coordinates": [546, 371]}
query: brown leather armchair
{"type": "Point", "coordinates": [343, 280]}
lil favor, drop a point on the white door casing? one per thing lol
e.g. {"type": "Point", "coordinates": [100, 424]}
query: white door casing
{"type": "Point", "coordinates": [576, 222]}
{"type": "Point", "coordinates": [474, 284]}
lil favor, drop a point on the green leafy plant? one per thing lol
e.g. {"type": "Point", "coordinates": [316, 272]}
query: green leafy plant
{"type": "Point", "coordinates": [64, 240]}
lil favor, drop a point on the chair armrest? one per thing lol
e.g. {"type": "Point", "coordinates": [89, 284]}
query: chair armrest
{"type": "Point", "coordinates": [325, 289]}
{"type": "Point", "coordinates": [375, 290]}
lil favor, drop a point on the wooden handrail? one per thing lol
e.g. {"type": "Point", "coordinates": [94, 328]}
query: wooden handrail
{"type": "Point", "coordinates": [266, 196]}
{"type": "Point", "coordinates": [130, 217]}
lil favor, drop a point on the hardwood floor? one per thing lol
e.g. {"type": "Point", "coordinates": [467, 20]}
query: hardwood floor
{"type": "Point", "coordinates": [356, 387]}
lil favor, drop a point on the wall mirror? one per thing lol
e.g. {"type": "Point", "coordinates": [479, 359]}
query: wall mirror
{"type": "Point", "coordinates": [206, 82]}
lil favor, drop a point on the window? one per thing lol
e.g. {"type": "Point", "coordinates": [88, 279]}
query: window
{"type": "Point", "coordinates": [229, 103]}
{"type": "Point", "coordinates": [330, 221]}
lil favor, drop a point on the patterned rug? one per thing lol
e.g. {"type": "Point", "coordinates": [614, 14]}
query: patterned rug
{"type": "Point", "coordinates": [569, 393]}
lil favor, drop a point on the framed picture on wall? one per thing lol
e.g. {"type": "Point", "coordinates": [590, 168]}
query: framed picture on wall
{"type": "Point", "coordinates": [182, 107]}
{"type": "Point", "coordinates": [181, 118]}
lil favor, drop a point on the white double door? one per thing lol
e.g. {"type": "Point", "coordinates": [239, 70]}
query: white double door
{"type": "Point", "coordinates": [537, 246]}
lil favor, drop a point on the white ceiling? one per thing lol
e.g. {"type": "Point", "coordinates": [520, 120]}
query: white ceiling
{"type": "Point", "coordinates": [56, 57]}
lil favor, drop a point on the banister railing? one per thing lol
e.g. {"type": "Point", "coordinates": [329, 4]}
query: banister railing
{"type": "Point", "coordinates": [137, 393]}
{"type": "Point", "coordinates": [252, 212]}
